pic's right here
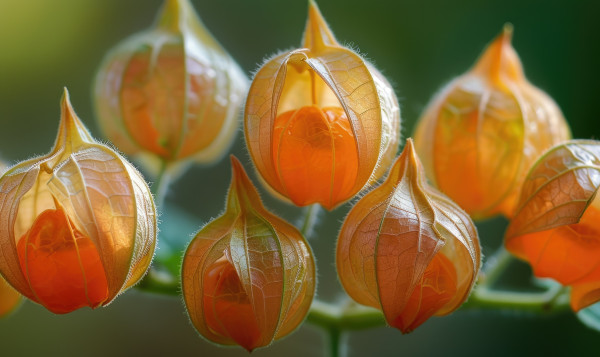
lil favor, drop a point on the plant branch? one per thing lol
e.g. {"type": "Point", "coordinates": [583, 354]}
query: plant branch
{"type": "Point", "coordinates": [494, 266]}
{"type": "Point", "coordinates": [158, 280]}
{"type": "Point", "coordinates": [335, 320]}
{"type": "Point", "coordinates": [311, 217]}
{"type": "Point", "coordinates": [161, 183]}
{"type": "Point", "coordinates": [350, 317]}
{"type": "Point", "coordinates": [334, 342]}
{"type": "Point", "coordinates": [553, 300]}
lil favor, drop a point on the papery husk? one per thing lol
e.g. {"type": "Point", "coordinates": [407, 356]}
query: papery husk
{"type": "Point", "coordinates": [479, 136]}
{"type": "Point", "coordinates": [554, 225]}
{"type": "Point", "coordinates": [272, 260]}
{"type": "Point", "coordinates": [185, 84]}
{"type": "Point", "coordinates": [103, 195]}
{"type": "Point", "coordinates": [339, 77]}
{"type": "Point", "coordinates": [393, 233]}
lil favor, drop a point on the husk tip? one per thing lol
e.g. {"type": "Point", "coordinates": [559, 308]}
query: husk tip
{"type": "Point", "coordinates": [236, 165]}
{"type": "Point", "coordinates": [317, 34]}
{"type": "Point", "coordinates": [170, 14]}
{"type": "Point", "coordinates": [67, 112]}
{"type": "Point", "coordinates": [504, 39]}
{"type": "Point", "coordinates": [410, 145]}
{"type": "Point", "coordinates": [71, 129]}
{"type": "Point", "coordinates": [507, 32]}
{"type": "Point", "coordinates": [240, 182]}
{"type": "Point", "coordinates": [499, 59]}
{"type": "Point", "coordinates": [409, 150]}
{"type": "Point", "coordinates": [65, 93]}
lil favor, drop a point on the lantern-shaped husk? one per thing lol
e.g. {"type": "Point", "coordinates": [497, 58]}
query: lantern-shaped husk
{"type": "Point", "coordinates": [320, 122]}
{"type": "Point", "coordinates": [78, 225]}
{"type": "Point", "coordinates": [556, 225]}
{"type": "Point", "coordinates": [248, 277]}
{"type": "Point", "coordinates": [407, 249]}
{"type": "Point", "coordinates": [484, 130]}
{"type": "Point", "coordinates": [172, 92]}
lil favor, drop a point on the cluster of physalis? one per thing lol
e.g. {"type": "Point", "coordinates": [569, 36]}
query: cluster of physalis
{"type": "Point", "coordinates": [321, 125]}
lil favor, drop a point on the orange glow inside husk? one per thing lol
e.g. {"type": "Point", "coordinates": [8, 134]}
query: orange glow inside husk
{"type": "Point", "coordinates": [61, 264]}
{"type": "Point", "coordinates": [566, 253]}
{"type": "Point", "coordinates": [437, 287]}
{"type": "Point", "coordinates": [227, 308]}
{"type": "Point", "coordinates": [315, 155]}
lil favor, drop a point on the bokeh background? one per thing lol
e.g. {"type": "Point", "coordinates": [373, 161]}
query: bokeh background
{"type": "Point", "coordinates": [418, 45]}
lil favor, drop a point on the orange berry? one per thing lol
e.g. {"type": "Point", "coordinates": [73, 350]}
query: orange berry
{"type": "Point", "coordinates": [315, 155]}
{"type": "Point", "coordinates": [61, 264]}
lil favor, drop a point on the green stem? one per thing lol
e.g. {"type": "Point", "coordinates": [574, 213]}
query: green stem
{"type": "Point", "coordinates": [160, 281]}
{"type": "Point", "coordinates": [494, 266]}
{"type": "Point", "coordinates": [553, 300]}
{"type": "Point", "coordinates": [334, 342]}
{"type": "Point", "coordinates": [335, 320]}
{"type": "Point", "coordinates": [311, 217]}
{"type": "Point", "coordinates": [356, 317]}
{"type": "Point", "coordinates": [351, 317]}
{"type": "Point", "coordinates": [161, 183]}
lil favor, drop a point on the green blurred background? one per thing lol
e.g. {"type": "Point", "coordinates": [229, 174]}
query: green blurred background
{"type": "Point", "coordinates": [418, 45]}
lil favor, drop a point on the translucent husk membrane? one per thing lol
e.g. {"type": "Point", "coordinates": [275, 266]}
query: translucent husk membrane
{"type": "Point", "coordinates": [248, 277]}
{"type": "Point", "coordinates": [407, 249]}
{"type": "Point", "coordinates": [170, 93]}
{"type": "Point", "coordinates": [555, 227]}
{"type": "Point", "coordinates": [78, 225]}
{"type": "Point", "coordinates": [320, 122]}
{"type": "Point", "coordinates": [479, 136]}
